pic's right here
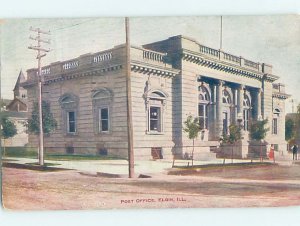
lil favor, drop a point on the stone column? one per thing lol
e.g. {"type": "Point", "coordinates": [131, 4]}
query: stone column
{"type": "Point", "coordinates": [219, 103]}
{"type": "Point", "coordinates": [212, 117]}
{"type": "Point", "coordinates": [243, 145]}
{"type": "Point", "coordinates": [240, 101]}
{"type": "Point", "coordinates": [214, 100]}
{"type": "Point", "coordinates": [258, 110]}
{"type": "Point", "coordinates": [235, 103]}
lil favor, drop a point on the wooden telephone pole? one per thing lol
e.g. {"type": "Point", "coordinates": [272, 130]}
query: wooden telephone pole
{"type": "Point", "coordinates": [129, 106]}
{"type": "Point", "coordinates": [41, 52]}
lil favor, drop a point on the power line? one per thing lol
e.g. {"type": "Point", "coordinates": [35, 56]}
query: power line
{"type": "Point", "coordinates": [22, 43]}
{"type": "Point", "coordinates": [73, 25]}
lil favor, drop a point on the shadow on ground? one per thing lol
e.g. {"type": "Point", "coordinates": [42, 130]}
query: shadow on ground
{"type": "Point", "coordinates": [33, 166]}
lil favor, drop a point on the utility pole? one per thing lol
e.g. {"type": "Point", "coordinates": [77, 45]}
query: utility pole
{"type": "Point", "coordinates": [41, 52]}
{"type": "Point", "coordinates": [129, 107]}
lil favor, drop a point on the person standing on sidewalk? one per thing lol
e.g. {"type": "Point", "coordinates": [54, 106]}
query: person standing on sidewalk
{"type": "Point", "coordinates": [295, 152]}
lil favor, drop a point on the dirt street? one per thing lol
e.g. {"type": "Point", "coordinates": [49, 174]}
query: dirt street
{"type": "Point", "coordinates": [251, 187]}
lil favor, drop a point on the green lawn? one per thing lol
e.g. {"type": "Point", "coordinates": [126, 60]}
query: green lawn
{"type": "Point", "coordinates": [21, 152]}
{"type": "Point", "coordinates": [66, 157]}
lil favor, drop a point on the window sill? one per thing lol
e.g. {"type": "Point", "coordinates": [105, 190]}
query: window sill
{"type": "Point", "coordinates": [71, 134]}
{"type": "Point", "coordinates": [104, 132]}
{"type": "Point", "coordinates": [154, 133]}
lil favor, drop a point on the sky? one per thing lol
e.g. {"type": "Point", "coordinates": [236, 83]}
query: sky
{"type": "Point", "coordinates": [270, 39]}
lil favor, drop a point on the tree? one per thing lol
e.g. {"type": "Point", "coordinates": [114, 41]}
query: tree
{"type": "Point", "coordinates": [258, 132]}
{"type": "Point", "coordinates": [192, 128]}
{"type": "Point", "coordinates": [8, 130]}
{"type": "Point", "coordinates": [298, 116]}
{"type": "Point", "coordinates": [290, 129]}
{"type": "Point", "coordinates": [49, 122]}
{"type": "Point", "coordinates": [233, 136]}
{"type": "Point", "coordinates": [297, 124]}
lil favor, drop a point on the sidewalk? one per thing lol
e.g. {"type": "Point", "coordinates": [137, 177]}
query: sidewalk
{"type": "Point", "coordinates": [148, 167]}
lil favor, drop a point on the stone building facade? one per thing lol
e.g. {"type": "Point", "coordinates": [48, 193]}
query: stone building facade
{"type": "Point", "coordinates": [170, 80]}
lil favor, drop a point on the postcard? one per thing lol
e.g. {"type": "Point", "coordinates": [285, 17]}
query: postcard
{"type": "Point", "coordinates": [150, 112]}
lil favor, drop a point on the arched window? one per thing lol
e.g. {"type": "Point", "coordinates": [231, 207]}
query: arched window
{"type": "Point", "coordinates": [204, 94]}
{"type": "Point", "coordinates": [226, 97]}
{"type": "Point", "coordinates": [67, 99]}
{"type": "Point", "coordinates": [203, 103]}
{"type": "Point", "coordinates": [102, 98]}
{"type": "Point", "coordinates": [246, 103]}
{"type": "Point", "coordinates": [246, 111]}
{"type": "Point", "coordinates": [276, 114]}
{"type": "Point", "coordinates": [276, 111]}
{"type": "Point", "coordinates": [227, 101]}
{"type": "Point", "coordinates": [69, 105]}
{"type": "Point", "coordinates": [155, 102]}
{"type": "Point", "coordinates": [101, 93]}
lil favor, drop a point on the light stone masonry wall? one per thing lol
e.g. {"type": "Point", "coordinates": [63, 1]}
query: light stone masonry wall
{"type": "Point", "coordinates": [172, 67]}
{"type": "Point", "coordinates": [143, 140]}
{"type": "Point", "coordinates": [279, 138]}
{"type": "Point", "coordinates": [87, 139]}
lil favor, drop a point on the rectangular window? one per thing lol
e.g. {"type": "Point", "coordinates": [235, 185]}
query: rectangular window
{"type": "Point", "coordinates": [203, 116]}
{"type": "Point", "coordinates": [71, 122]}
{"type": "Point", "coordinates": [274, 126]}
{"type": "Point", "coordinates": [225, 123]}
{"type": "Point", "coordinates": [155, 119]}
{"type": "Point", "coordinates": [104, 119]}
{"type": "Point", "coordinates": [246, 119]}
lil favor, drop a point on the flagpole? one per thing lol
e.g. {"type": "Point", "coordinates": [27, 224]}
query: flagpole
{"type": "Point", "coordinates": [221, 33]}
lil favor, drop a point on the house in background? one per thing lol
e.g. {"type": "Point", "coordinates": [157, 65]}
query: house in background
{"type": "Point", "coordinates": [170, 80]}
{"type": "Point", "coordinates": [19, 103]}
{"type": "Point", "coordinates": [16, 111]}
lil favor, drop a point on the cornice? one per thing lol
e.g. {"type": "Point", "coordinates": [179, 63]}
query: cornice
{"type": "Point", "coordinates": [145, 68]}
{"type": "Point", "coordinates": [73, 75]}
{"type": "Point", "coordinates": [200, 59]}
{"type": "Point", "coordinates": [280, 95]}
